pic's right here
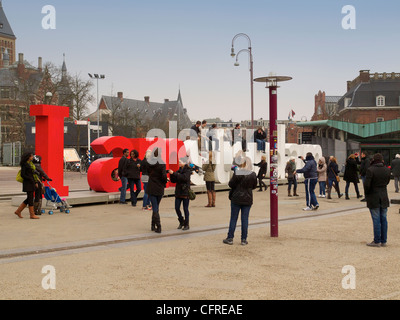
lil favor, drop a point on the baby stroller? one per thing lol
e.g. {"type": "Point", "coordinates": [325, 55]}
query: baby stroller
{"type": "Point", "coordinates": [55, 201]}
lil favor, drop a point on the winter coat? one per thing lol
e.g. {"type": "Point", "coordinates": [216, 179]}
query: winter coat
{"type": "Point", "coordinates": [40, 172]}
{"type": "Point", "coordinates": [144, 168]}
{"type": "Point", "coordinates": [351, 171]}
{"type": "Point", "coordinates": [122, 166]}
{"type": "Point", "coordinates": [310, 168]}
{"type": "Point", "coordinates": [395, 167]}
{"type": "Point", "coordinates": [209, 169]}
{"type": "Point", "coordinates": [321, 169]}
{"type": "Point", "coordinates": [157, 179]}
{"type": "Point", "coordinates": [242, 183]}
{"type": "Point", "coordinates": [182, 180]}
{"type": "Point", "coordinates": [260, 136]}
{"type": "Point", "coordinates": [376, 181]}
{"type": "Point", "coordinates": [332, 170]}
{"type": "Point", "coordinates": [27, 173]}
{"type": "Point", "coordinates": [263, 169]}
{"type": "Point", "coordinates": [364, 166]}
{"type": "Point", "coordinates": [132, 170]}
{"type": "Point", "coordinates": [290, 169]}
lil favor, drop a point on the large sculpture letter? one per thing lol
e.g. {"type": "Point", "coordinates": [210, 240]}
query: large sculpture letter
{"type": "Point", "coordinates": [50, 142]}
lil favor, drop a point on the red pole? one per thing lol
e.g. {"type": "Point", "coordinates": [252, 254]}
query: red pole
{"type": "Point", "coordinates": [273, 147]}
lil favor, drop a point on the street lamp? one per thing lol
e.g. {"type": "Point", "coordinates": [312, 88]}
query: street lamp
{"type": "Point", "coordinates": [272, 84]}
{"type": "Point", "coordinates": [251, 69]}
{"type": "Point", "coordinates": [97, 77]}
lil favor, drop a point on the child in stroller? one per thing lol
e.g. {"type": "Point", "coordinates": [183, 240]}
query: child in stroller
{"type": "Point", "coordinates": [52, 196]}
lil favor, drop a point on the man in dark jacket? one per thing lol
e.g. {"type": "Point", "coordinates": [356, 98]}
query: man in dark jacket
{"type": "Point", "coordinates": [259, 138]}
{"type": "Point", "coordinates": [242, 184]}
{"type": "Point", "coordinates": [122, 173]}
{"type": "Point", "coordinates": [133, 175]}
{"type": "Point", "coordinates": [351, 174]}
{"type": "Point", "coordinates": [395, 168]}
{"type": "Point", "coordinates": [310, 180]}
{"type": "Point", "coordinates": [376, 181]}
{"type": "Point", "coordinates": [365, 161]}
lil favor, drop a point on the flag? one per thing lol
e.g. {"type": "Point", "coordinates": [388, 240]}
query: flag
{"type": "Point", "coordinates": [291, 115]}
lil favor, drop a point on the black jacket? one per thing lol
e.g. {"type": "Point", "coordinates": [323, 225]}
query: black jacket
{"type": "Point", "coordinates": [395, 167]}
{"type": "Point", "coordinates": [182, 180]}
{"type": "Point", "coordinates": [333, 170]}
{"type": "Point", "coordinates": [243, 183]}
{"type": "Point", "coordinates": [376, 181]}
{"type": "Point", "coordinates": [40, 172]}
{"type": "Point", "coordinates": [260, 136]}
{"type": "Point", "coordinates": [351, 170]}
{"type": "Point", "coordinates": [27, 173]}
{"type": "Point", "coordinates": [157, 179]}
{"type": "Point", "coordinates": [364, 166]}
{"type": "Point", "coordinates": [132, 169]}
{"type": "Point", "coordinates": [122, 166]}
{"type": "Point", "coordinates": [263, 169]}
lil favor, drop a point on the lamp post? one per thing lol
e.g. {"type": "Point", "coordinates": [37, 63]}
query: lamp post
{"type": "Point", "coordinates": [272, 82]}
{"type": "Point", "coordinates": [98, 77]}
{"type": "Point", "coordinates": [251, 69]}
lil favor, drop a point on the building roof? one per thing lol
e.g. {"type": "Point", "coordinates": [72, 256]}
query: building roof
{"type": "Point", "coordinates": [361, 130]}
{"type": "Point", "coordinates": [332, 99]}
{"type": "Point", "coordinates": [5, 28]}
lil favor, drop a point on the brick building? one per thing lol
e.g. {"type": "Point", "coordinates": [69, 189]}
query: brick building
{"type": "Point", "coordinates": [366, 117]}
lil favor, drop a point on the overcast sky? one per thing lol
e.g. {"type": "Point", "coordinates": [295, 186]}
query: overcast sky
{"type": "Point", "coordinates": [154, 47]}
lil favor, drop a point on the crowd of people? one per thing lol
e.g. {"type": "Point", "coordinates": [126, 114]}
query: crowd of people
{"type": "Point", "coordinates": [151, 172]}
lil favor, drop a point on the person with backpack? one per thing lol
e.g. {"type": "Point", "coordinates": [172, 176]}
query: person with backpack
{"type": "Point", "coordinates": [29, 184]}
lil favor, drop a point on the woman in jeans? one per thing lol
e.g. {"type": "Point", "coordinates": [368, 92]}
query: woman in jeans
{"type": "Point", "coordinates": [242, 184]}
{"type": "Point", "coordinates": [182, 180]}
{"type": "Point", "coordinates": [155, 187]}
{"type": "Point", "coordinates": [209, 178]}
{"type": "Point", "coordinates": [321, 169]}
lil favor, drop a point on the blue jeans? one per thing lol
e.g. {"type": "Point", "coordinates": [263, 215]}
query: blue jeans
{"type": "Point", "coordinates": [155, 202]}
{"type": "Point", "coordinates": [294, 182]}
{"type": "Point", "coordinates": [260, 145]}
{"type": "Point", "coordinates": [124, 182]}
{"type": "Point", "coordinates": [322, 187]}
{"type": "Point", "coordinates": [346, 190]}
{"type": "Point", "coordinates": [146, 200]}
{"type": "Point", "coordinates": [235, 209]}
{"type": "Point", "coordinates": [380, 224]}
{"type": "Point", "coordinates": [311, 199]}
{"type": "Point", "coordinates": [134, 194]}
{"type": "Point", "coordinates": [185, 202]}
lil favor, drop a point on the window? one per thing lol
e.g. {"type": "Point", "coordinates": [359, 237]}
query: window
{"type": "Point", "coordinates": [347, 102]}
{"type": "Point", "coordinates": [380, 101]}
{"type": "Point", "coordinates": [380, 119]}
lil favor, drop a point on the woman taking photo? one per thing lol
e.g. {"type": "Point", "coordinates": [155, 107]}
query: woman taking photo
{"type": "Point", "coordinates": [242, 184]}
{"type": "Point", "coordinates": [182, 180]}
{"type": "Point", "coordinates": [29, 184]}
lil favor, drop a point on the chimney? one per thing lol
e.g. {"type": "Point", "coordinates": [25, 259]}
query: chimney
{"type": "Point", "coordinates": [20, 58]}
{"type": "Point", "coordinates": [40, 64]}
{"type": "Point", "coordinates": [364, 75]}
{"type": "Point", "coordinates": [147, 99]}
{"type": "Point", "coordinates": [166, 100]}
{"type": "Point", "coordinates": [121, 96]}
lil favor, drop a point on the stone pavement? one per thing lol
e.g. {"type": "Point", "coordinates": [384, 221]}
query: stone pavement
{"type": "Point", "coordinates": [109, 252]}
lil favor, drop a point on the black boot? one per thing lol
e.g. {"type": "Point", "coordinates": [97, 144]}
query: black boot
{"type": "Point", "coordinates": [153, 222]}
{"type": "Point", "coordinates": [329, 192]}
{"type": "Point", "coordinates": [158, 223]}
{"type": "Point", "coordinates": [347, 196]}
{"type": "Point", "coordinates": [181, 223]}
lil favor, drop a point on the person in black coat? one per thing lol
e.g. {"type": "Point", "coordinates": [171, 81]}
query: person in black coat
{"type": "Point", "coordinates": [122, 173]}
{"type": "Point", "coordinates": [182, 180]}
{"type": "Point", "coordinates": [376, 181]}
{"type": "Point", "coordinates": [333, 173]}
{"type": "Point", "coordinates": [133, 175]}
{"type": "Point", "coordinates": [262, 173]}
{"type": "Point", "coordinates": [155, 187]}
{"type": "Point", "coordinates": [242, 184]}
{"type": "Point", "coordinates": [30, 182]}
{"type": "Point", "coordinates": [259, 138]}
{"type": "Point", "coordinates": [395, 169]}
{"type": "Point", "coordinates": [37, 205]}
{"type": "Point", "coordinates": [351, 174]}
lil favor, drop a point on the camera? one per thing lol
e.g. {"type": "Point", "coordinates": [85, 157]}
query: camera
{"type": "Point", "coordinates": [299, 157]}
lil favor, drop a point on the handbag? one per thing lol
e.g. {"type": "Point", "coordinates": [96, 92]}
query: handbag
{"type": "Point", "coordinates": [337, 177]}
{"type": "Point", "coordinates": [192, 194]}
{"type": "Point", "coordinates": [19, 178]}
